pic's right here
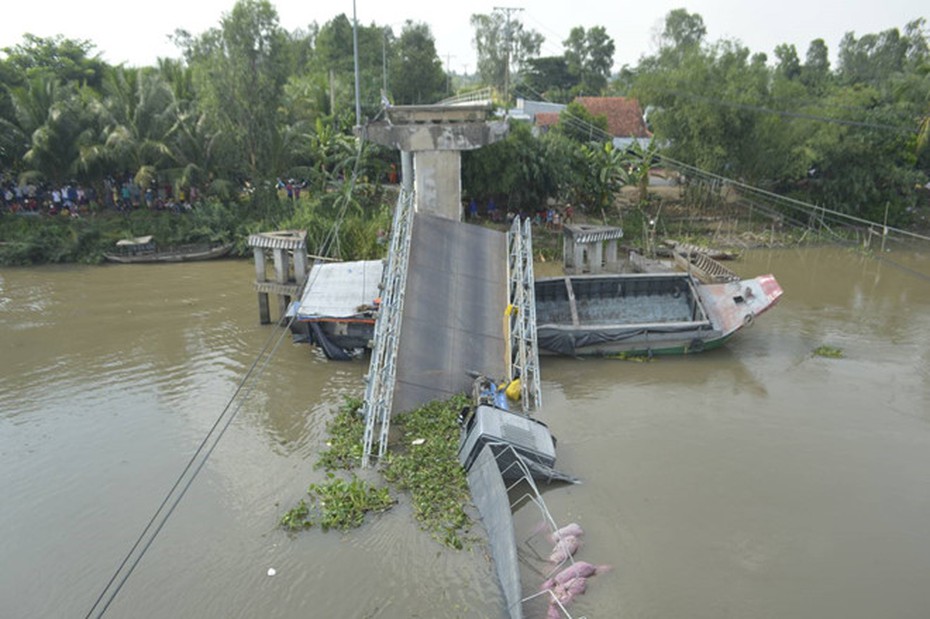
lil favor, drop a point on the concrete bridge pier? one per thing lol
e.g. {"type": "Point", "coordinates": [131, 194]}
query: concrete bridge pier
{"type": "Point", "coordinates": [433, 137]}
{"type": "Point", "coordinates": [590, 249]}
{"type": "Point", "coordinates": [288, 250]}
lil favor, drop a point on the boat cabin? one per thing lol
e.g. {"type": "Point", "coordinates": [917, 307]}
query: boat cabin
{"type": "Point", "coordinates": [489, 425]}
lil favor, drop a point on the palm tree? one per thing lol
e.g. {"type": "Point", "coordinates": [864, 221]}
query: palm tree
{"type": "Point", "coordinates": [141, 109]}
{"type": "Point", "coordinates": [55, 122]}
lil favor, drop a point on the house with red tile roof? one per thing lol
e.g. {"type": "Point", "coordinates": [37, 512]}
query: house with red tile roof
{"type": "Point", "coordinates": [625, 121]}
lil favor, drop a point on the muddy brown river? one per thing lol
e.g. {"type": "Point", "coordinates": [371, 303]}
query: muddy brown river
{"type": "Point", "coordinates": [757, 481]}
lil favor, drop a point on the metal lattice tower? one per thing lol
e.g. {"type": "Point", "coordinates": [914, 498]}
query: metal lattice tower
{"type": "Point", "coordinates": [379, 390]}
{"type": "Point", "coordinates": [523, 352]}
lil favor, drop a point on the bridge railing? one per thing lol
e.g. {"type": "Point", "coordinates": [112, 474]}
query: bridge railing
{"type": "Point", "coordinates": [483, 95]}
{"type": "Point", "coordinates": [382, 371]}
{"type": "Point", "coordinates": [520, 317]}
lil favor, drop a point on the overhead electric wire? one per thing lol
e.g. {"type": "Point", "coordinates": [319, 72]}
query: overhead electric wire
{"type": "Point", "coordinates": [801, 115]}
{"type": "Point", "coordinates": [160, 514]}
{"type": "Point", "coordinates": [808, 207]}
{"type": "Point", "coordinates": [196, 470]}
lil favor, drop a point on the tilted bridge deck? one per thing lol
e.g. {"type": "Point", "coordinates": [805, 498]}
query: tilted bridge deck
{"type": "Point", "coordinates": [453, 314]}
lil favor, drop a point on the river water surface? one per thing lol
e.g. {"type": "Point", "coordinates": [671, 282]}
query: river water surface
{"type": "Point", "coordinates": [757, 481]}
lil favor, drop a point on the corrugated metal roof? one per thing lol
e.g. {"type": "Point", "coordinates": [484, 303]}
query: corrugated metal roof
{"type": "Point", "coordinates": [583, 233]}
{"type": "Point", "coordinates": [282, 239]}
{"type": "Point", "coordinates": [338, 289]}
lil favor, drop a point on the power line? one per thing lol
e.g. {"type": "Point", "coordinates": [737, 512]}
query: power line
{"type": "Point", "coordinates": [206, 447]}
{"type": "Point", "coordinates": [785, 113]}
{"type": "Point", "coordinates": [197, 461]}
{"type": "Point", "coordinates": [805, 207]}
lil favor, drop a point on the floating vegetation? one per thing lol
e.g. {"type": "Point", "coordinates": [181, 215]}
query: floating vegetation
{"type": "Point", "coordinates": [297, 517]}
{"type": "Point", "coordinates": [337, 504]}
{"type": "Point", "coordinates": [829, 352]}
{"type": "Point", "coordinates": [626, 356]}
{"type": "Point", "coordinates": [426, 466]}
{"type": "Point", "coordinates": [346, 430]}
{"type": "Point", "coordinates": [429, 469]}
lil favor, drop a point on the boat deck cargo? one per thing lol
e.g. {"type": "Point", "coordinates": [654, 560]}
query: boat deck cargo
{"type": "Point", "coordinates": [657, 313]}
{"type": "Point", "coordinates": [338, 307]}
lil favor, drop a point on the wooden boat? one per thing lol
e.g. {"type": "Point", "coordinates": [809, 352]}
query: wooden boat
{"type": "Point", "coordinates": [645, 314]}
{"type": "Point", "coordinates": [705, 268]}
{"type": "Point", "coordinates": [143, 249]}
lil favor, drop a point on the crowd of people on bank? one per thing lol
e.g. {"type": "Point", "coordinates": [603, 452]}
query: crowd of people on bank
{"type": "Point", "coordinates": [73, 199]}
{"type": "Point", "coordinates": [549, 218]}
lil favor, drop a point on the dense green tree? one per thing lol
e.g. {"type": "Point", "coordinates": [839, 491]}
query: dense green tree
{"type": "Point", "coordinates": [789, 65]}
{"type": "Point", "coordinates": [815, 73]}
{"type": "Point", "coordinates": [333, 57]}
{"type": "Point", "coordinates": [503, 47]}
{"type": "Point", "coordinates": [51, 60]}
{"type": "Point", "coordinates": [682, 35]}
{"type": "Point", "coordinates": [547, 78]}
{"type": "Point", "coordinates": [873, 58]}
{"type": "Point", "coordinates": [608, 172]}
{"type": "Point", "coordinates": [683, 30]}
{"type": "Point", "coordinates": [140, 112]}
{"type": "Point", "coordinates": [522, 171]}
{"type": "Point", "coordinates": [238, 71]}
{"type": "Point", "coordinates": [59, 122]}
{"type": "Point", "coordinates": [417, 75]}
{"type": "Point", "coordinates": [590, 58]}
{"type": "Point", "coordinates": [861, 169]}
{"type": "Point", "coordinates": [57, 57]}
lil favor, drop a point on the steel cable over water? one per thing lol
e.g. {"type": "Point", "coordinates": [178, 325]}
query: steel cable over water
{"type": "Point", "coordinates": [203, 452]}
{"type": "Point", "coordinates": [212, 438]}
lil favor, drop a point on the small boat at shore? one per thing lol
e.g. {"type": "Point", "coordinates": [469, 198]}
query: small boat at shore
{"type": "Point", "coordinates": [143, 249]}
{"type": "Point", "coordinates": [645, 313]}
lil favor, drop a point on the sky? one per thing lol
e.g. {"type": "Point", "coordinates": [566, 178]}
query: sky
{"type": "Point", "coordinates": [138, 36]}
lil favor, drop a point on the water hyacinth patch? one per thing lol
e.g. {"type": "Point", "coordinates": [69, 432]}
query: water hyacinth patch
{"type": "Point", "coordinates": [428, 468]}
{"type": "Point", "coordinates": [829, 352]}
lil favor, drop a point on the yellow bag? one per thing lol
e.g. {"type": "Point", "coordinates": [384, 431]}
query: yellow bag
{"type": "Point", "coordinates": [513, 389]}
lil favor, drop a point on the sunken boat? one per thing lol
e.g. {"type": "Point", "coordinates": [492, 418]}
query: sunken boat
{"type": "Point", "coordinates": [645, 313]}
{"type": "Point", "coordinates": [338, 307]}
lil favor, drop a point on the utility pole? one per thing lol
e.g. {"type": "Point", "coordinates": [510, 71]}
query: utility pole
{"type": "Point", "coordinates": [449, 58]}
{"type": "Point", "coordinates": [358, 103]}
{"type": "Point", "coordinates": [384, 62]}
{"type": "Point", "coordinates": [507, 10]}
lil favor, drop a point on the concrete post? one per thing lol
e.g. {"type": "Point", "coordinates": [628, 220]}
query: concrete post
{"type": "Point", "coordinates": [596, 256]}
{"type": "Point", "coordinates": [264, 312]}
{"type": "Point", "coordinates": [282, 244]}
{"type": "Point", "coordinates": [568, 253]}
{"type": "Point", "coordinates": [579, 258]}
{"type": "Point", "coordinates": [406, 169]}
{"type": "Point", "coordinates": [438, 180]}
{"type": "Point", "coordinates": [611, 258]}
